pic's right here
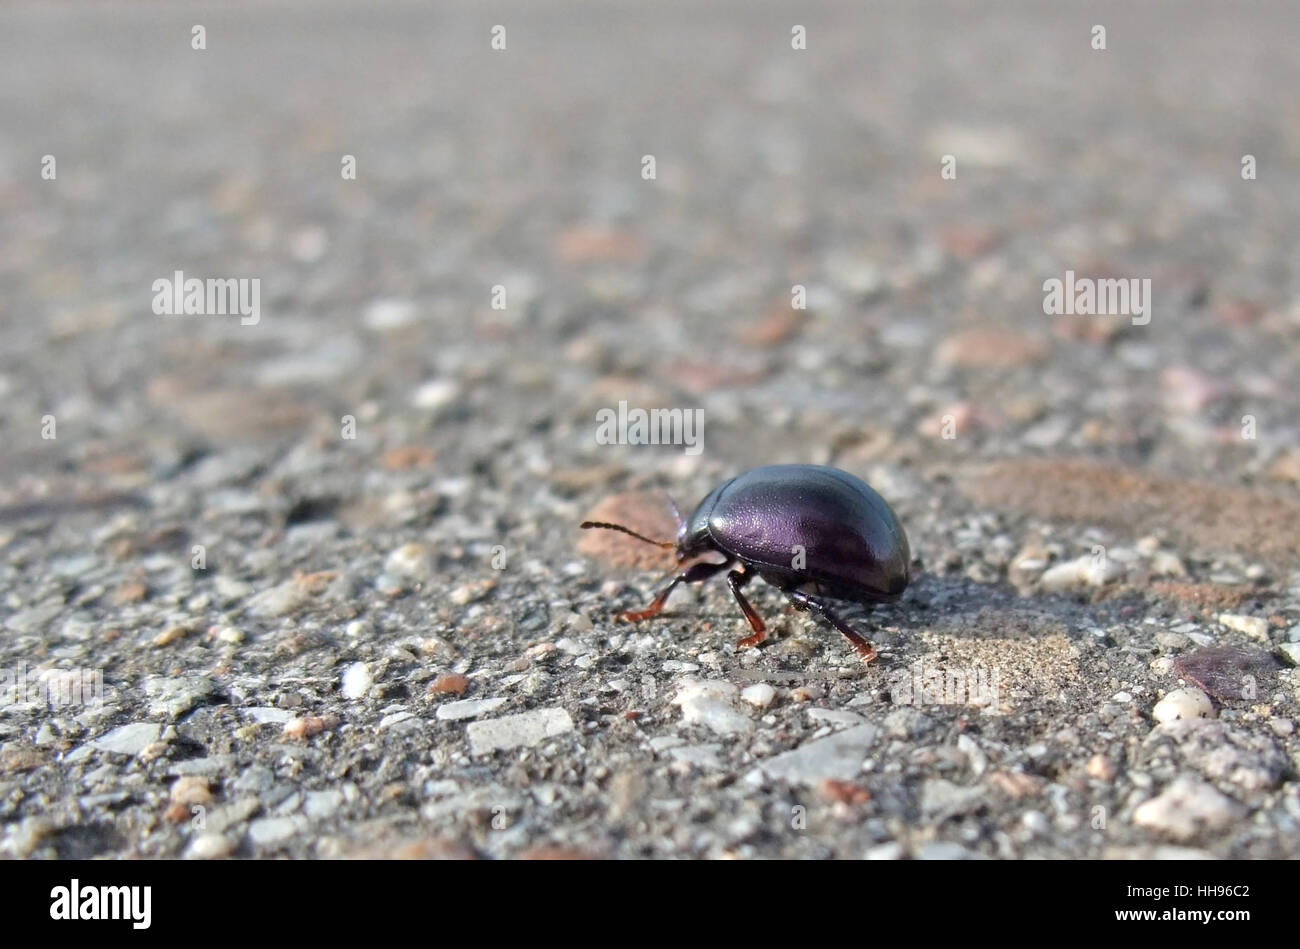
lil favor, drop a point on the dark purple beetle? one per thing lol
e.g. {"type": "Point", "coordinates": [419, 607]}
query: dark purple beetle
{"type": "Point", "coordinates": [809, 530]}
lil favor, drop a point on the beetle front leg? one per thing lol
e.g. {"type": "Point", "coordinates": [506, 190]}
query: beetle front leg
{"type": "Point", "coordinates": [737, 579]}
{"type": "Point", "coordinates": [693, 574]}
{"type": "Point", "coordinates": [803, 601]}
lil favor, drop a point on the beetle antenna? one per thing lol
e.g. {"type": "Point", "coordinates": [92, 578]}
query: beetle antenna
{"type": "Point", "coordinates": [665, 544]}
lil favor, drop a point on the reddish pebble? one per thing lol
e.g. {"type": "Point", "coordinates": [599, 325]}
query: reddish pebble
{"type": "Point", "coordinates": [449, 682]}
{"type": "Point", "coordinates": [310, 725]}
{"type": "Point", "coordinates": [843, 792]}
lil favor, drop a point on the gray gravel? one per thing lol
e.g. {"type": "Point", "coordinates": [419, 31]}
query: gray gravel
{"type": "Point", "coordinates": [327, 563]}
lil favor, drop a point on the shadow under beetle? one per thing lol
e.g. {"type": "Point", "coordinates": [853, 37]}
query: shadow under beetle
{"type": "Point", "coordinates": [812, 531]}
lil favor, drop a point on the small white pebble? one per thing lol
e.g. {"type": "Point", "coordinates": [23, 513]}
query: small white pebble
{"type": "Point", "coordinates": [968, 746]}
{"type": "Point", "coordinates": [1186, 808]}
{"type": "Point", "coordinates": [435, 394]}
{"type": "Point", "coordinates": [1256, 627]}
{"type": "Point", "coordinates": [356, 680]}
{"type": "Point", "coordinates": [1036, 823]}
{"type": "Point", "coordinates": [209, 847]}
{"type": "Point", "coordinates": [1183, 703]}
{"type": "Point", "coordinates": [410, 560]}
{"type": "Point", "coordinates": [228, 634]}
{"type": "Point", "coordinates": [1162, 665]}
{"type": "Point", "coordinates": [582, 624]}
{"type": "Point", "coordinates": [1166, 564]}
{"type": "Point", "coordinates": [759, 695]}
{"type": "Point", "coordinates": [890, 851]}
{"type": "Point", "coordinates": [26, 835]}
{"type": "Point", "coordinates": [1082, 571]}
{"type": "Point", "coordinates": [710, 703]}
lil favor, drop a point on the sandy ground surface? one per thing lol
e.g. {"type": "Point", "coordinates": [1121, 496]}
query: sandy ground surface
{"type": "Point", "coordinates": [315, 645]}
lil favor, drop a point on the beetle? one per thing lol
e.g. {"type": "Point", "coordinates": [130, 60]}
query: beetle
{"type": "Point", "coordinates": [812, 531]}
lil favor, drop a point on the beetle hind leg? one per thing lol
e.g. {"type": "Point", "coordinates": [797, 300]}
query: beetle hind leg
{"type": "Point", "coordinates": [803, 601]}
{"type": "Point", "coordinates": [736, 580]}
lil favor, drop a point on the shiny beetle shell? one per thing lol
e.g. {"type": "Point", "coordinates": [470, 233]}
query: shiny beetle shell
{"type": "Point", "coordinates": [853, 546]}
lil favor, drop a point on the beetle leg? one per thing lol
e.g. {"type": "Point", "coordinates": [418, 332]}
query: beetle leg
{"type": "Point", "coordinates": [692, 574]}
{"type": "Point", "coordinates": [737, 579]}
{"type": "Point", "coordinates": [803, 601]}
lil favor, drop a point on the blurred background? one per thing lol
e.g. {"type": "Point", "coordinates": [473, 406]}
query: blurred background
{"type": "Point", "coordinates": [522, 169]}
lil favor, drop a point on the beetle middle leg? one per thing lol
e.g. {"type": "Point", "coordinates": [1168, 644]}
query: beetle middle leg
{"type": "Point", "coordinates": [737, 579]}
{"type": "Point", "coordinates": [692, 574]}
{"type": "Point", "coordinates": [803, 601]}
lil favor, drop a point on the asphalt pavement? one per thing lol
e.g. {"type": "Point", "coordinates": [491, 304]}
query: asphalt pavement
{"type": "Point", "coordinates": [309, 313]}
